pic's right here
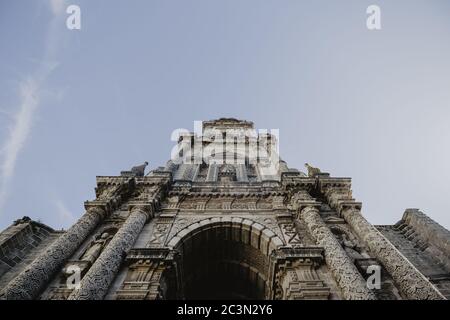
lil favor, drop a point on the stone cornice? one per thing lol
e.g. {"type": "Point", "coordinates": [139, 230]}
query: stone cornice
{"type": "Point", "coordinates": [296, 181]}
{"type": "Point", "coordinates": [152, 254]}
{"type": "Point", "coordinates": [157, 177]}
{"type": "Point", "coordinates": [112, 180]}
{"type": "Point", "coordinates": [327, 182]}
{"type": "Point", "coordinates": [222, 194]}
{"type": "Point", "coordinates": [313, 254]}
{"type": "Point", "coordinates": [269, 184]}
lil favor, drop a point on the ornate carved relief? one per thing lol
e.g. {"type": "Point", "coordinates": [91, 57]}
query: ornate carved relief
{"type": "Point", "coordinates": [145, 276]}
{"type": "Point", "coordinates": [350, 281]}
{"type": "Point", "coordinates": [411, 282]}
{"type": "Point", "coordinates": [96, 282]}
{"type": "Point", "coordinates": [295, 276]}
{"type": "Point", "coordinates": [29, 283]}
{"type": "Point", "coordinates": [159, 234]}
{"type": "Point", "coordinates": [290, 234]}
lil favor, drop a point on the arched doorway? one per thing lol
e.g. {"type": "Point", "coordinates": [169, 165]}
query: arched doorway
{"type": "Point", "coordinates": [225, 259]}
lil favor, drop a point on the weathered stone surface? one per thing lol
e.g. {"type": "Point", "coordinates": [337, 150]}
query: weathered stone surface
{"type": "Point", "coordinates": [29, 283]}
{"type": "Point", "coordinates": [411, 282]}
{"type": "Point", "coordinates": [347, 276]}
{"type": "Point", "coordinates": [96, 282]}
{"type": "Point", "coordinates": [226, 222]}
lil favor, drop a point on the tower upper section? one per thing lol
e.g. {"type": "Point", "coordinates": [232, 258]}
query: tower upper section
{"type": "Point", "coordinates": [224, 151]}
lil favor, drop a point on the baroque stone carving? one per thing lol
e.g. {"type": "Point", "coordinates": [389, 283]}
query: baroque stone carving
{"type": "Point", "coordinates": [96, 247]}
{"type": "Point", "coordinates": [290, 234]}
{"type": "Point", "coordinates": [295, 276]}
{"type": "Point", "coordinates": [145, 276]}
{"type": "Point", "coordinates": [236, 231]}
{"type": "Point", "coordinates": [159, 234]}
{"type": "Point", "coordinates": [97, 280]}
{"type": "Point", "coordinates": [29, 283]}
{"type": "Point", "coordinates": [345, 273]}
{"type": "Point", "coordinates": [410, 280]}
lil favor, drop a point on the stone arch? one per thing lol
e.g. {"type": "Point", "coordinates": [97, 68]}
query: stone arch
{"type": "Point", "coordinates": [224, 257]}
{"type": "Point", "coordinates": [253, 233]}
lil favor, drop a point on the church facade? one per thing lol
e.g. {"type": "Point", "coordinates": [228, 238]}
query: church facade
{"type": "Point", "coordinates": [226, 218]}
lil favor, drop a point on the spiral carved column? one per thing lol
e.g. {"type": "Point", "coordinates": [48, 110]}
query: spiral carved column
{"type": "Point", "coordinates": [350, 281]}
{"type": "Point", "coordinates": [97, 280]}
{"type": "Point", "coordinates": [29, 283]}
{"type": "Point", "coordinates": [411, 282]}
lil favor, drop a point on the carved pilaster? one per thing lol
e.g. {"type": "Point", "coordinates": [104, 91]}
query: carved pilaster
{"type": "Point", "coordinates": [29, 283]}
{"type": "Point", "coordinates": [295, 276]}
{"type": "Point", "coordinates": [350, 281]}
{"type": "Point", "coordinates": [147, 274]}
{"type": "Point", "coordinates": [411, 282]}
{"type": "Point", "coordinates": [97, 280]}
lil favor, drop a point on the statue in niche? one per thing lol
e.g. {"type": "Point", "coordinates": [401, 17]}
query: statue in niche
{"type": "Point", "coordinates": [349, 246]}
{"type": "Point", "coordinates": [96, 247]}
{"type": "Point", "coordinates": [352, 249]}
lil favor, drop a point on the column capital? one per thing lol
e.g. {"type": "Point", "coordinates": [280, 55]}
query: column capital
{"type": "Point", "coordinates": [98, 206]}
{"type": "Point", "coordinates": [349, 205]}
{"type": "Point", "coordinates": [142, 206]}
{"type": "Point", "coordinates": [305, 208]}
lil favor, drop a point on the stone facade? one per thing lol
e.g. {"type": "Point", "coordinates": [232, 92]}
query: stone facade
{"type": "Point", "coordinates": [201, 228]}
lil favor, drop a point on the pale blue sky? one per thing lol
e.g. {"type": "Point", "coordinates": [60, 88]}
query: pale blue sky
{"type": "Point", "coordinates": [371, 105]}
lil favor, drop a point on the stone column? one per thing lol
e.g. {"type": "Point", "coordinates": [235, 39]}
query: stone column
{"type": "Point", "coordinates": [350, 281]}
{"type": "Point", "coordinates": [30, 282]}
{"type": "Point", "coordinates": [410, 280]}
{"type": "Point", "coordinates": [97, 280]}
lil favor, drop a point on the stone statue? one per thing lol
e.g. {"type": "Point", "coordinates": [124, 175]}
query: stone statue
{"type": "Point", "coordinates": [312, 171]}
{"type": "Point", "coordinates": [350, 247]}
{"type": "Point", "coordinates": [96, 247]}
{"type": "Point", "coordinates": [139, 170]}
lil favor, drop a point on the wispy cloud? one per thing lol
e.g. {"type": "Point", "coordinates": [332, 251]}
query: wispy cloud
{"type": "Point", "coordinates": [30, 94]}
{"type": "Point", "coordinates": [65, 215]}
{"type": "Point", "coordinates": [57, 6]}
{"type": "Point", "coordinates": [18, 134]}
